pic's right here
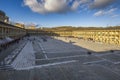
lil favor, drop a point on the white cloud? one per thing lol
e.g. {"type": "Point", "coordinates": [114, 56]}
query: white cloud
{"type": "Point", "coordinates": [105, 12]}
{"type": "Point", "coordinates": [56, 5]}
{"type": "Point", "coordinates": [77, 3]}
{"type": "Point", "coordinates": [97, 4]}
{"type": "Point", "coordinates": [47, 6]}
{"type": "Point", "coordinates": [99, 13]}
{"type": "Point", "coordinates": [115, 15]}
{"type": "Point", "coordinates": [111, 10]}
{"type": "Point", "coordinates": [63, 6]}
{"type": "Point", "coordinates": [35, 6]}
{"type": "Point", "coordinates": [53, 6]}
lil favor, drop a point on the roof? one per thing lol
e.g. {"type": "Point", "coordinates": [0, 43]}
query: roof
{"type": "Point", "coordinates": [2, 13]}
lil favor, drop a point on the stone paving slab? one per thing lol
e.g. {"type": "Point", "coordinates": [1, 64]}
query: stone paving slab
{"type": "Point", "coordinates": [75, 71]}
{"type": "Point", "coordinates": [112, 57]}
{"type": "Point", "coordinates": [82, 59]}
{"type": "Point", "coordinates": [65, 54]}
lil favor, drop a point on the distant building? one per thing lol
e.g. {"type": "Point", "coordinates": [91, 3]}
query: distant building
{"type": "Point", "coordinates": [20, 25]}
{"type": "Point", "coordinates": [31, 27]}
{"type": "Point", "coordinates": [3, 17]}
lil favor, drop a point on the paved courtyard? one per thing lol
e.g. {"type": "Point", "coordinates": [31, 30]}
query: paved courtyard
{"type": "Point", "coordinates": [46, 58]}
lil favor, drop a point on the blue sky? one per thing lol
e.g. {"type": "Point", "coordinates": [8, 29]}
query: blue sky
{"type": "Point", "coordinates": [51, 13]}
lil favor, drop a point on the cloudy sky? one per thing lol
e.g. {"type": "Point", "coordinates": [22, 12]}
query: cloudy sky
{"type": "Point", "coordinates": [52, 13]}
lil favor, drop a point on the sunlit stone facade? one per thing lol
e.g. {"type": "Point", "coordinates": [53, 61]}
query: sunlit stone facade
{"type": "Point", "coordinates": [109, 36]}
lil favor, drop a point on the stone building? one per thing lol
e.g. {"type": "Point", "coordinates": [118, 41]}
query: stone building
{"type": "Point", "coordinates": [20, 25]}
{"type": "Point", "coordinates": [3, 17]}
